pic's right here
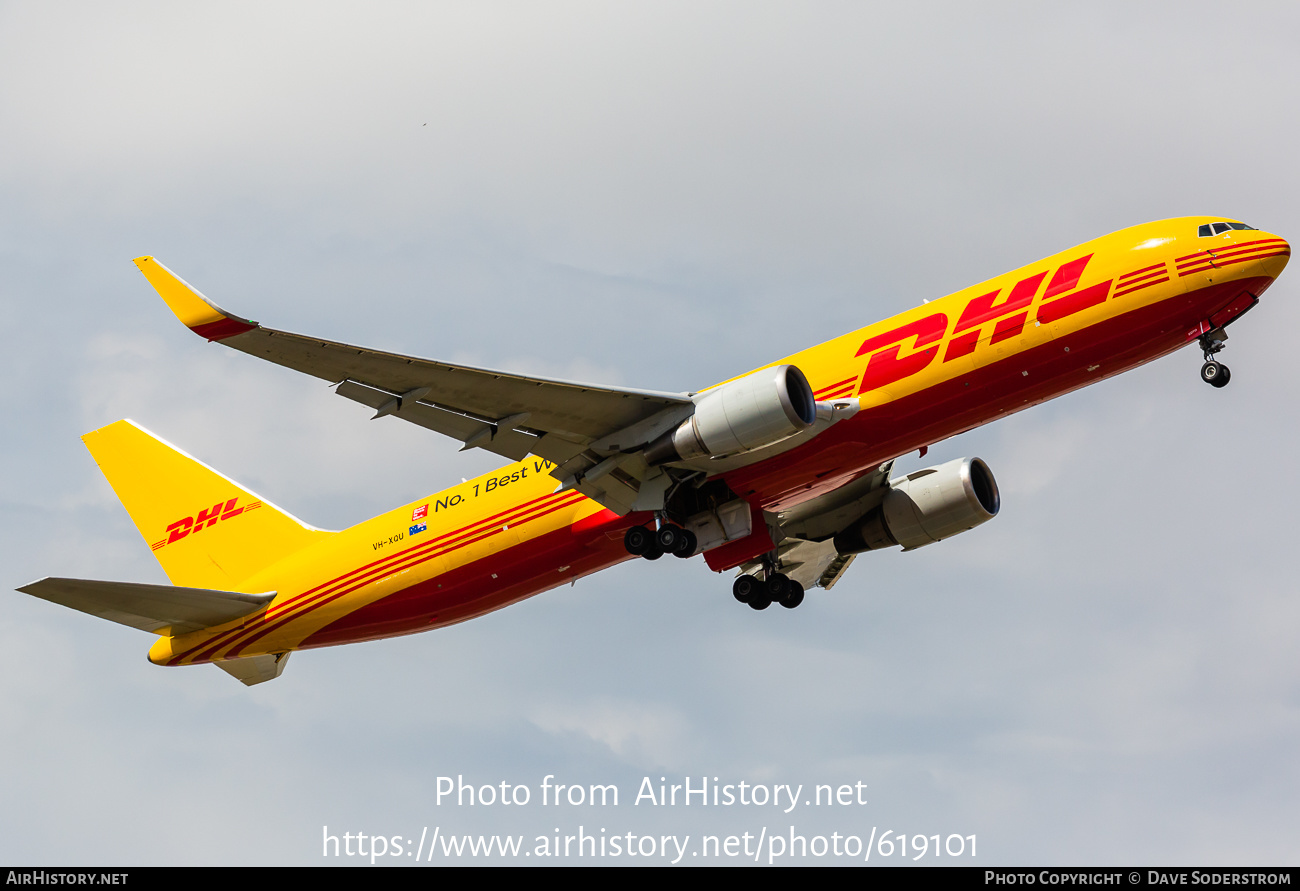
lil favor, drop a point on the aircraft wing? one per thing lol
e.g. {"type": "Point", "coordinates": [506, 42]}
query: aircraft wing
{"type": "Point", "coordinates": [574, 425]}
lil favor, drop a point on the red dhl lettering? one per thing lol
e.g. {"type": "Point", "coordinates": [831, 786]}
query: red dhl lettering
{"type": "Point", "coordinates": [1072, 303]}
{"type": "Point", "coordinates": [203, 520]}
{"type": "Point", "coordinates": [982, 309]}
{"type": "Point", "coordinates": [885, 367]}
{"type": "Point", "coordinates": [179, 529]}
{"type": "Point", "coordinates": [1060, 299]}
{"type": "Point", "coordinates": [209, 517]}
{"type": "Point", "coordinates": [1008, 328]}
{"type": "Point", "coordinates": [1066, 277]}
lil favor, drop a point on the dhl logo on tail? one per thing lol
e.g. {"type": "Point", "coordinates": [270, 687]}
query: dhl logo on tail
{"type": "Point", "coordinates": [205, 518]}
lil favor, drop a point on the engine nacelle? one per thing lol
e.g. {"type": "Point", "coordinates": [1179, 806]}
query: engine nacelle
{"type": "Point", "coordinates": [751, 412]}
{"type": "Point", "coordinates": [926, 506]}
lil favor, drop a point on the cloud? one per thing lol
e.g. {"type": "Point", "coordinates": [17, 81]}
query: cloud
{"type": "Point", "coordinates": [648, 735]}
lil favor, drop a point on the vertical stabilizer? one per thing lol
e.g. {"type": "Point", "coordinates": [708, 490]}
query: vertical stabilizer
{"type": "Point", "coordinates": [207, 531]}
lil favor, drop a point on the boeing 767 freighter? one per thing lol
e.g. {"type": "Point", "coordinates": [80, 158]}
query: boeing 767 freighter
{"type": "Point", "coordinates": [783, 473]}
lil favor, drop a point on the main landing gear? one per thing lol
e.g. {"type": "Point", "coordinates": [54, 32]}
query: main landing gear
{"type": "Point", "coordinates": [652, 544]}
{"type": "Point", "coordinates": [762, 593]}
{"type": "Point", "coordinates": [759, 593]}
{"type": "Point", "coordinates": [1216, 374]}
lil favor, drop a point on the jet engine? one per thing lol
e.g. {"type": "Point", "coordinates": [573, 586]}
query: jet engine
{"type": "Point", "coordinates": [926, 506]}
{"type": "Point", "coordinates": [757, 410]}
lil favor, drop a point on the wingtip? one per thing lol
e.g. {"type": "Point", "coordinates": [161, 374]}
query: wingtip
{"type": "Point", "coordinates": [195, 311]}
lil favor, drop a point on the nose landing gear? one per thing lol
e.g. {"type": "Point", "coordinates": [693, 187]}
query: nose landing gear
{"type": "Point", "coordinates": [1216, 374]}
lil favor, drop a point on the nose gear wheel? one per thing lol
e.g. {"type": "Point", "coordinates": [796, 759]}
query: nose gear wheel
{"type": "Point", "coordinates": [1214, 373]}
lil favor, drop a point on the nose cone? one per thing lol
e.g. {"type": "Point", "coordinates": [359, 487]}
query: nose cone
{"type": "Point", "coordinates": [1258, 257]}
{"type": "Point", "coordinates": [1239, 255]}
{"type": "Point", "coordinates": [1275, 254]}
{"type": "Point", "coordinates": [1215, 253]}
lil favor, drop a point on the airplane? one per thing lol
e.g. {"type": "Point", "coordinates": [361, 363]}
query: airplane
{"type": "Point", "coordinates": [782, 474]}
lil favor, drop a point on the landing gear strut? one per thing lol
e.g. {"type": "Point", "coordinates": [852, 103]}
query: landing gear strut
{"type": "Point", "coordinates": [1216, 374]}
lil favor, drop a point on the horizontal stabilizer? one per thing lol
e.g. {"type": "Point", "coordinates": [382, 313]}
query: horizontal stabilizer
{"type": "Point", "coordinates": [161, 609]}
{"type": "Point", "coordinates": [250, 670]}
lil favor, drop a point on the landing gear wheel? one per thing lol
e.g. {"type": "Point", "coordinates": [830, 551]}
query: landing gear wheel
{"type": "Point", "coordinates": [744, 588]}
{"type": "Point", "coordinates": [760, 600]}
{"type": "Point", "coordinates": [669, 537]}
{"type": "Point", "coordinates": [637, 540]}
{"type": "Point", "coordinates": [687, 545]}
{"type": "Point", "coordinates": [1215, 374]}
{"type": "Point", "coordinates": [793, 597]}
{"type": "Point", "coordinates": [777, 586]}
{"type": "Point", "coordinates": [653, 551]}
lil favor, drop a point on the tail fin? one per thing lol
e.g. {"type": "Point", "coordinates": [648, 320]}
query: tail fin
{"type": "Point", "coordinates": [206, 530]}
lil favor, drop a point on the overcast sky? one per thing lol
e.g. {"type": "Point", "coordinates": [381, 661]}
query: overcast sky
{"type": "Point", "coordinates": [662, 196]}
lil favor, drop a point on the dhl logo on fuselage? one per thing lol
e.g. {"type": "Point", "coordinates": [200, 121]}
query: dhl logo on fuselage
{"type": "Point", "coordinates": [888, 363]}
{"type": "Point", "coordinates": [202, 520]}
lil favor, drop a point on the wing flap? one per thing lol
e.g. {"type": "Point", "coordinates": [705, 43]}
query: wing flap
{"type": "Point", "coordinates": [474, 432]}
{"type": "Point", "coordinates": [820, 518]}
{"type": "Point", "coordinates": [806, 552]}
{"type": "Point", "coordinates": [160, 609]}
{"type": "Point", "coordinates": [806, 562]}
{"type": "Point", "coordinates": [836, 570]}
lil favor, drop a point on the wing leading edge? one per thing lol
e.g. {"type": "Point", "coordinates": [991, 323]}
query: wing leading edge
{"type": "Point", "coordinates": [583, 429]}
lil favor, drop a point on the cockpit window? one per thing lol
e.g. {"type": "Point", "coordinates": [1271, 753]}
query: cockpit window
{"type": "Point", "coordinates": [1217, 228]}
